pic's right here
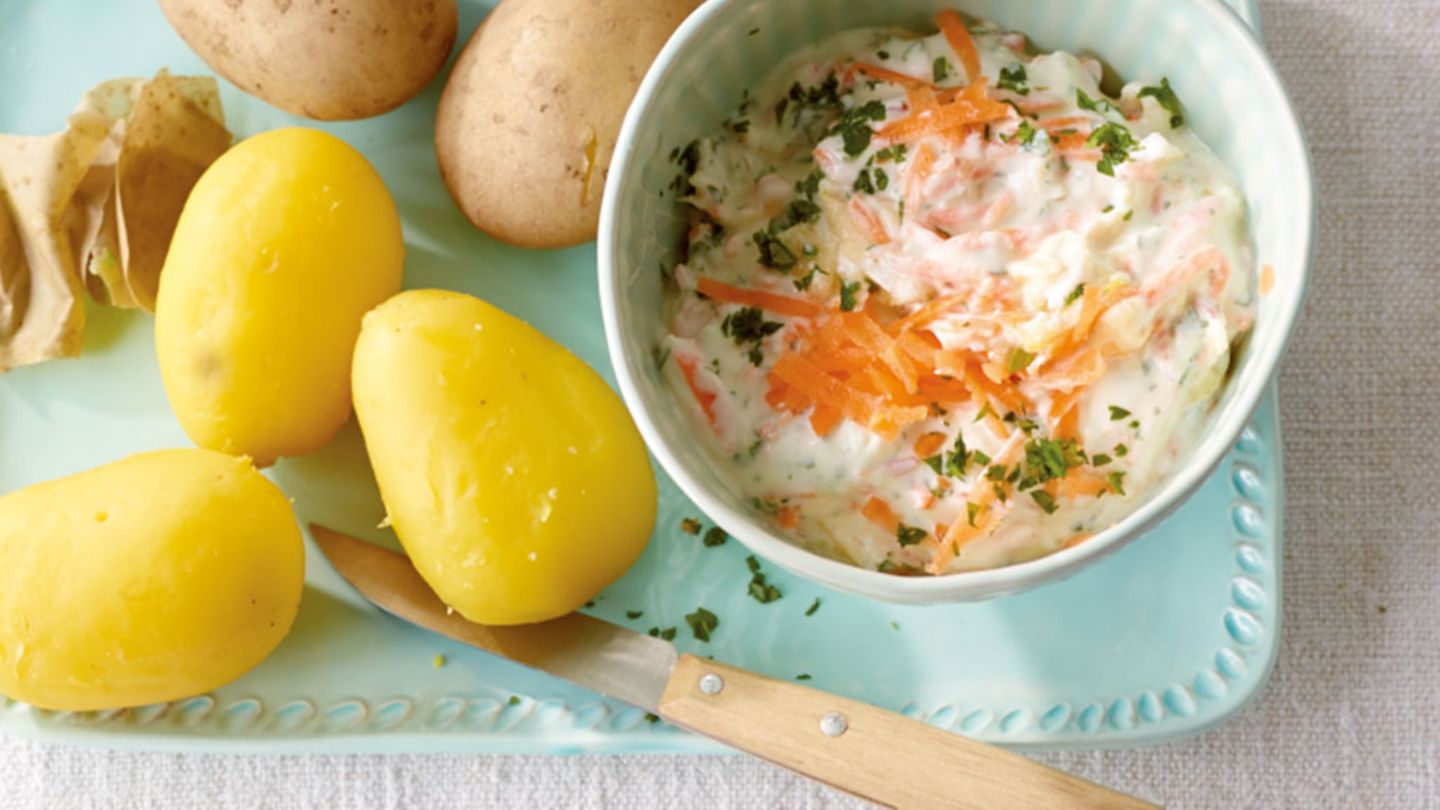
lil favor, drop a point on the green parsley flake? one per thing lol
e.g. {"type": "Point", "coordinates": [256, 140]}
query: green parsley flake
{"type": "Point", "coordinates": [1013, 79]}
{"type": "Point", "coordinates": [863, 183]}
{"type": "Point", "coordinates": [1117, 413]}
{"type": "Point", "coordinates": [848, 295]}
{"type": "Point", "coordinates": [1046, 502]}
{"type": "Point", "coordinates": [942, 69]}
{"type": "Point", "coordinates": [690, 526]}
{"type": "Point", "coordinates": [1096, 105]}
{"type": "Point", "coordinates": [814, 606]}
{"type": "Point", "coordinates": [702, 623]}
{"type": "Point", "coordinates": [715, 537]}
{"type": "Point", "coordinates": [1121, 450]}
{"type": "Point", "coordinates": [773, 253]}
{"type": "Point", "coordinates": [803, 283]}
{"type": "Point", "coordinates": [1020, 360]}
{"type": "Point", "coordinates": [1116, 480]}
{"type": "Point", "coordinates": [1168, 100]}
{"type": "Point", "coordinates": [513, 701]}
{"type": "Point", "coordinates": [804, 676]}
{"type": "Point", "coordinates": [1075, 294]}
{"type": "Point", "coordinates": [1115, 143]}
{"type": "Point", "coordinates": [854, 126]}
{"type": "Point", "coordinates": [909, 535]}
{"type": "Point", "coordinates": [1099, 460]}
{"type": "Point", "coordinates": [972, 511]}
{"type": "Point", "coordinates": [984, 412]}
{"type": "Point", "coordinates": [634, 614]}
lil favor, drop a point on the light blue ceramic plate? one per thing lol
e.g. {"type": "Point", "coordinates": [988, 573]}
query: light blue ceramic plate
{"type": "Point", "coordinates": [1167, 637]}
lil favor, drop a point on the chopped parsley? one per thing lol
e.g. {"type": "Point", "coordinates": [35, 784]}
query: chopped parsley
{"type": "Point", "coordinates": [1115, 143]}
{"type": "Point", "coordinates": [942, 69]}
{"type": "Point", "coordinates": [753, 564]}
{"type": "Point", "coordinates": [1166, 98]}
{"type": "Point", "coordinates": [668, 634]}
{"type": "Point", "coordinates": [1100, 105]}
{"type": "Point", "coordinates": [996, 472]}
{"type": "Point", "coordinates": [702, 623]}
{"type": "Point", "coordinates": [848, 295]}
{"type": "Point", "coordinates": [688, 159]}
{"type": "Point", "coordinates": [854, 126]}
{"type": "Point", "coordinates": [762, 591]}
{"type": "Point", "coordinates": [740, 127]}
{"type": "Point", "coordinates": [1099, 460]}
{"type": "Point", "coordinates": [799, 210]}
{"type": "Point", "coordinates": [1075, 294]}
{"type": "Point", "coordinates": [803, 283]}
{"type": "Point", "coordinates": [715, 537]}
{"type": "Point", "coordinates": [634, 614]}
{"type": "Point", "coordinates": [1046, 460]}
{"type": "Point", "coordinates": [822, 98]}
{"type": "Point", "coordinates": [513, 701]}
{"type": "Point", "coordinates": [1116, 480]}
{"type": "Point", "coordinates": [1045, 500]}
{"type": "Point", "coordinates": [909, 535]}
{"type": "Point", "coordinates": [984, 412]}
{"type": "Point", "coordinates": [883, 54]}
{"type": "Point", "coordinates": [1019, 360]}
{"type": "Point", "coordinates": [1013, 79]}
{"type": "Point", "coordinates": [972, 511]}
{"type": "Point", "coordinates": [1117, 413]}
{"type": "Point", "coordinates": [748, 327]}
{"type": "Point", "coordinates": [1028, 136]}
{"type": "Point", "coordinates": [814, 606]}
{"type": "Point", "coordinates": [804, 676]}
{"type": "Point", "coordinates": [690, 526]}
{"type": "Point", "coordinates": [895, 153]}
{"type": "Point", "coordinates": [1121, 451]}
{"type": "Point", "coordinates": [773, 253]}
{"type": "Point", "coordinates": [863, 183]}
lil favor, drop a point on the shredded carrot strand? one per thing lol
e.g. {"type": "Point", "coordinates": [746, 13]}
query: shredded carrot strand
{"type": "Point", "coordinates": [770, 302]}
{"type": "Point", "coordinates": [788, 516]}
{"type": "Point", "coordinates": [885, 74]}
{"type": "Point", "coordinates": [880, 513]}
{"type": "Point", "coordinates": [959, 38]}
{"type": "Point", "coordinates": [929, 444]}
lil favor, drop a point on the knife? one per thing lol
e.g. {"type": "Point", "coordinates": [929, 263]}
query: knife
{"type": "Point", "coordinates": [863, 750]}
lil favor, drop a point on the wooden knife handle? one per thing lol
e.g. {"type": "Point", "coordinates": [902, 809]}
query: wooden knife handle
{"type": "Point", "coordinates": [869, 752]}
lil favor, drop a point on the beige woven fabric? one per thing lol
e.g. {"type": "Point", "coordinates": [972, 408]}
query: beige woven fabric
{"type": "Point", "coordinates": [1352, 715]}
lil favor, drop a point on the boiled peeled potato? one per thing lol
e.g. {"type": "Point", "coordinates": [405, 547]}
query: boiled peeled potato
{"type": "Point", "coordinates": [284, 244]}
{"type": "Point", "coordinates": [334, 60]}
{"type": "Point", "coordinates": [157, 577]}
{"type": "Point", "coordinates": [533, 106]}
{"type": "Point", "coordinates": [511, 472]}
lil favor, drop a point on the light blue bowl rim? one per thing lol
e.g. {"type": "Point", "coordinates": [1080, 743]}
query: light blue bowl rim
{"type": "Point", "coordinates": [968, 585]}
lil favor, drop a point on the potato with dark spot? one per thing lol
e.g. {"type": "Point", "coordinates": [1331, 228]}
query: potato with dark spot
{"type": "Point", "coordinates": [533, 107]}
{"type": "Point", "coordinates": [323, 59]}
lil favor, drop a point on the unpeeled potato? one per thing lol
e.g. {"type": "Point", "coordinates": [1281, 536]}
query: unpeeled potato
{"type": "Point", "coordinates": [511, 472]}
{"type": "Point", "coordinates": [532, 110]}
{"type": "Point", "coordinates": [160, 576]}
{"type": "Point", "coordinates": [327, 60]}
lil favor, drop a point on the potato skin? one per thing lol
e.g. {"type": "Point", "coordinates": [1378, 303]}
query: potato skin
{"type": "Point", "coordinates": [532, 109]}
{"type": "Point", "coordinates": [511, 472]}
{"type": "Point", "coordinates": [156, 577]}
{"type": "Point", "coordinates": [284, 244]}
{"type": "Point", "coordinates": [329, 61]}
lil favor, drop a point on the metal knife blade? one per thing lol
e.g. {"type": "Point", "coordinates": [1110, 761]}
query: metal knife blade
{"type": "Point", "coordinates": [616, 662]}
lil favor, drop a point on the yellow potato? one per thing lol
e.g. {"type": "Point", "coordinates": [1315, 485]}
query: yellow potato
{"type": "Point", "coordinates": [511, 472]}
{"type": "Point", "coordinates": [284, 244]}
{"type": "Point", "coordinates": [321, 60]}
{"type": "Point", "coordinates": [160, 576]}
{"type": "Point", "coordinates": [533, 106]}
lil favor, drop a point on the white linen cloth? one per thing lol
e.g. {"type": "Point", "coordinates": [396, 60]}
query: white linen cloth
{"type": "Point", "coordinates": [1352, 715]}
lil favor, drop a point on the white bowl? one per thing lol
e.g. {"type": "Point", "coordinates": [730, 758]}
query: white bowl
{"type": "Point", "coordinates": [1234, 101]}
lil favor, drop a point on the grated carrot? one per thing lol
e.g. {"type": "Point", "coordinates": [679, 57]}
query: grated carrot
{"type": "Point", "coordinates": [770, 302]}
{"type": "Point", "coordinates": [885, 74]}
{"type": "Point", "coordinates": [959, 38]}
{"type": "Point", "coordinates": [706, 398]}
{"type": "Point", "coordinates": [929, 444]}
{"type": "Point", "coordinates": [788, 516]}
{"type": "Point", "coordinates": [879, 512]}
{"type": "Point", "coordinates": [869, 222]}
{"type": "Point", "coordinates": [1267, 279]}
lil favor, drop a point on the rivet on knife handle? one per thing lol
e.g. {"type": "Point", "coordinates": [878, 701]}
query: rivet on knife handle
{"type": "Point", "coordinates": [869, 752]}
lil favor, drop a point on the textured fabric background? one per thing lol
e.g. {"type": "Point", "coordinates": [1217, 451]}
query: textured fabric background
{"type": "Point", "coordinates": [1352, 715]}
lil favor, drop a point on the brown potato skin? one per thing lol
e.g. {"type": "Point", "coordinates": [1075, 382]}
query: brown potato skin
{"type": "Point", "coordinates": [328, 59]}
{"type": "Point", "coordinates": [541, 87]}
